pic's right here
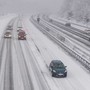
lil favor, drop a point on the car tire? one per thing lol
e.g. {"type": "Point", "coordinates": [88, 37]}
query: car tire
{"type": "Point", "coordinates": [65, 75]}
{"type": "Point", "coordinates": [53, 75]}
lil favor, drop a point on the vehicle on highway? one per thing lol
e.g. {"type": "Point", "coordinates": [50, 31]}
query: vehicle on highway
{"type": "Point", "coordinates": [7, 34]}
{"type": "Point", "coordinates": [9, 27]}
{"type": "Point", "coordinates": [57, 69]}
{"type": "Point", "coordinates": [68, 24]}
{"type": "Point", "coordinates": [21, 35]}
{"type": "Point", "coordinates": [19, 26]}
{"type": "Point", "coordinates": [19, 30]}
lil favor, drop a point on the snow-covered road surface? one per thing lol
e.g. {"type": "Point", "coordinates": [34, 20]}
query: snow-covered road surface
{"type": "Point", "coordinates": [49, 51]}
{"type": "Point", "coordinates": [24, 63]}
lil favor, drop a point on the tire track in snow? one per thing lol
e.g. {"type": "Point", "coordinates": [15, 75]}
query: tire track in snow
{"type": "Point", "coordinates": [36, 69]}
{"type": "Point", "coordinates": [1, 51]}
{"type": "Point", "coordinates": [23, 67]}
{"type": "Point", "coordinates": [2, 41]}
{"type": "Point", "coordinates": [71, 86]}
{"type": "Point", "coordinates": [8, 73]}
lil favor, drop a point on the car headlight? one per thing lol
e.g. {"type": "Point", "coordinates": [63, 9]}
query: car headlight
{"type": "Point", "coordinates": [54, 71]}
{"type": "Point", "coordinates": [65, 70]}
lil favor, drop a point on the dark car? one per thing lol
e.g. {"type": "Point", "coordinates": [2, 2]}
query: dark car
{"type": "Point", "coordinates": [68, 24]}
{"type": "Point", "coordinates": [57, 69]}
{"type": "Point", "coordinates": [9, 27]}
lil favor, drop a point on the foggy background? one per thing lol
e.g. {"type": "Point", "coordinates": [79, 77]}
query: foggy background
{"type": "Point", "coordinates": [78, 10]}
{"type": "Point", "coordinates": [30, 6]}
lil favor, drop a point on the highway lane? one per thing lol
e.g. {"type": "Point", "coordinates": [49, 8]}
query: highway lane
{"type": "Point", "coordinates": [1, 51]}
{"type": "Point", "coordinates": [2, 41]}
{"type": "Point", "coordinates": [23, 67]}
{"type": "Point", "coordinates": [6, 60]}
{"type": "Point", "coordinates": [24, 57]}
{"type": "Point", "coordinates": [8, 72]}
{"type": "Point", "coordinates": [45, 52]}
{"type": "Point", "coordinates": [7, 79]}
{"type": "Point", "coordinates": [2, 67]}
{"type": "Point", "coordinates": [30, 57]}
{"type": "Point", "coordinates": [6, 67]}
{"type": "Point", "coordinates": [25, 76]}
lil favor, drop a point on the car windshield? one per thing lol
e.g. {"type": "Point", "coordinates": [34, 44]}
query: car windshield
{"type": "Point", "coordinates": [58, 65]}
{"type": "Point", "coordinates": [7, 32]}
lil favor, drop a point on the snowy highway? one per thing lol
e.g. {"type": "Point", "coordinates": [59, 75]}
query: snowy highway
{"type": "Point", "coordinates": [72, 46]}
{"type": "Point", "coordinates": [24, 63]}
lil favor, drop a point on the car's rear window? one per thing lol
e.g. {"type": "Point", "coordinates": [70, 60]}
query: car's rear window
{"type": "Point", "coordinates": [7, 32]}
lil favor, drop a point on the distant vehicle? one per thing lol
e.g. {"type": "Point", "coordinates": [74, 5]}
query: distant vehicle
{"type": "Point", "coordinates": [68, 24]}
{"type": "Point", "coordinates": [38, 19]}
{"type": "Point", "coordinates": [19, 30]}
{"type": "Point", "coordinates": [57, 69]}
{"type": "Point", "coordinates": [7, 34]}
{"type": "Point", "coordinates": [20, 27]}
{"type": "Point", "coordinates": [9, 27]}
{"type": "Point", "coordinates": [21, 35]}
{"type": "Point", "coordinates": [87, 31]}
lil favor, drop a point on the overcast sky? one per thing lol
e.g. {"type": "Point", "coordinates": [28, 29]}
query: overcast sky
{"type": "Point", "coordinates": [30, 6]}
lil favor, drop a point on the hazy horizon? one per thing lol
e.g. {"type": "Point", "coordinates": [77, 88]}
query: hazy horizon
{"type": "Point", "coordinates": [30, 6]}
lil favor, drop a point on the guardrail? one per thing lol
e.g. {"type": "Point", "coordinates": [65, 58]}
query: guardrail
{"type": "Point", "coordinates": [72, 23]}
{"type": "Point", "coordinates": [83, 34]}
{"type": "Point", "coordinates": [82, 39]}
{"type": "Point", "coordinates": [84, 62]}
